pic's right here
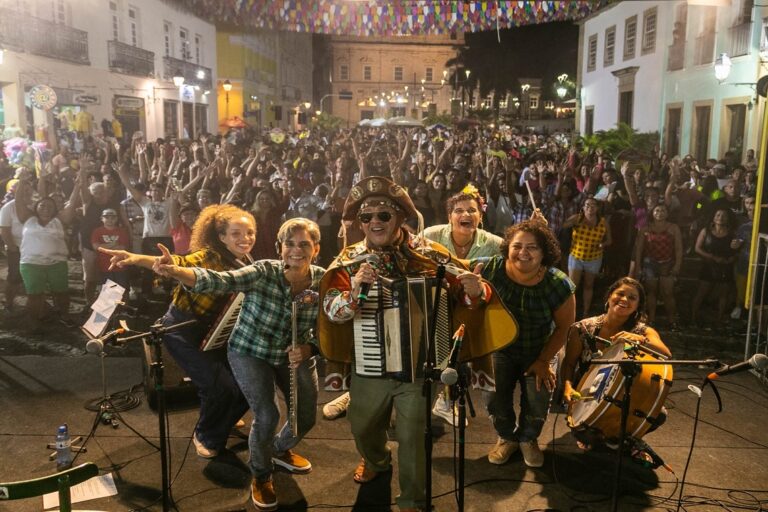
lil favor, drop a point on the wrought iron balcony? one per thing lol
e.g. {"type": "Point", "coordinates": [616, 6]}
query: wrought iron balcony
{"type": "Point", "coordinates": [738, 36]}
{"type": "Point", "coordinates": [705, 49]}
{"type": "Point", "coordinates": [11, 30]}
{"type": "Point", "coordinates": [43, 37]}
{"type": "Point", "coordinates": [130, 60]}
{"type": "Point", "coordinates": [175, 67]}
{"type": "Point", "coordinates": [676, 57]}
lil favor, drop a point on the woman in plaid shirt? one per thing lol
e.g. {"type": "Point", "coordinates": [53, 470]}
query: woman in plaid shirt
{"type": "Point", "coordinates": [260, 345]}
{"type": "Point", "coordinates": [221, 239]}
{"type": "Point", "coordinates": [541, 298]}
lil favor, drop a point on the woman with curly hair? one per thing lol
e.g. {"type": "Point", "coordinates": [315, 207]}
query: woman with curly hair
{"type": "Point", "coordinates": [222, 238]}
{"type": "Point", "coordinates": [540, 296]}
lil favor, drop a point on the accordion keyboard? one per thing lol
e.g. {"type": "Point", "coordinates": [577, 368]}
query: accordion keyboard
{"type": "Point", "coordinates": [368, 348]}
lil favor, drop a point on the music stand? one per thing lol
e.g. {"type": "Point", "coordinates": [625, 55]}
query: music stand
{"type": "Point", "coordinates": [154, 338]}
{"type": "Point", "coordinates": [629, 369]}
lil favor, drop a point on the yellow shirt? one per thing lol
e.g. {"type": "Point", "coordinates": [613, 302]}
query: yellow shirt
{"type": "Point", "coordinates": [587, 241]}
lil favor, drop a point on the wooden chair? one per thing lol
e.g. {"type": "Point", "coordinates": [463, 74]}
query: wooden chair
{"type": "Point", "coordinates": [59, 482]}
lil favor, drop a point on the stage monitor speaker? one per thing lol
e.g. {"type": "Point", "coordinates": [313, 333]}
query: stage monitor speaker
{"type": "Point", "coordinates": [180, 393]}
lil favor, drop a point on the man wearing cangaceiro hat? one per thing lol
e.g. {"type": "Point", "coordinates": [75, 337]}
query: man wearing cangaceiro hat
{"type": "Point", "coordinates": [382, 207]}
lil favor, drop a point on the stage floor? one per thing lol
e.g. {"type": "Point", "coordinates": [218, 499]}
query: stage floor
{"type": "Point", "coordinates": [37, 393]}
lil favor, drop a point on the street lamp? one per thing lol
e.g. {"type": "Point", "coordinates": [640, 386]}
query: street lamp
{"type": "Point", "coordinates": [178, 79]}
{"type": "Point", "coordinates": [227, 86]}
{"type": "Point", "coordinates": [722, 67]}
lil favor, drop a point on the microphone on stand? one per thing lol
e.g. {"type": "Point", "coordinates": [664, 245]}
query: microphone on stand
{"type": "Point", "coordinates": [96, 345]}
{"type": "Point", "coordinates": [450, 376]}
{"type": "Point", "coordinates": [757, 361]}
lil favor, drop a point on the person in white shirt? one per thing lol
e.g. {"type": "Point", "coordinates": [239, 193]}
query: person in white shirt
{"type": "Point", "coordinates": [43, 254]}
{"type": "Point", "coordinates": [11, 230]}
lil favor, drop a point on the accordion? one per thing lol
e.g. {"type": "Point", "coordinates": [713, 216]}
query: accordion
{"type": "Point", "coordinates": [393, 325]}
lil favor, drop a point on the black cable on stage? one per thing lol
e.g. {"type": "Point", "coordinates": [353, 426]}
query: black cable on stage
{"type": "Point", "coordinates": [690, 451]}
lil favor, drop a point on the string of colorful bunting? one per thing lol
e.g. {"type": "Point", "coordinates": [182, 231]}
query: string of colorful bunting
{"type": "Point", "coordinates": [389, 17]}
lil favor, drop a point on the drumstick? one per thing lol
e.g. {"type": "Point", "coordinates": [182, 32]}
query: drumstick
{"type": "Point", "coordinates": [530, 194]}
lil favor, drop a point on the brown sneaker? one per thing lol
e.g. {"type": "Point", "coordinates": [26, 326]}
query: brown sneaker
{"type": "Point", "coordinates": [293, 462]}
{"type": "Point", "coordinates": [503, 450]}
{"type": "Point", "coordinates": [532, 454]}
{"type": "Point", "coordinates": [263, 495]}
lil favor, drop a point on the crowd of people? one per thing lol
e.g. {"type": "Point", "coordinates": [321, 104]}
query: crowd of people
{"type": "Point", "coordinates": [529, 221]}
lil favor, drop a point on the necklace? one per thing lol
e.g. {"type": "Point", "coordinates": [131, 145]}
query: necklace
{"type": "Point", "coordinates": [460, 246]}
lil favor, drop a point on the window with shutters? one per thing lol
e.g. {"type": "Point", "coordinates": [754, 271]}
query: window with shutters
{"type": "Point", "coordinates": [610, 46]}
{"type": "Point", "coordinates": [649, 31]}
{"type": "Point", "coordinates": [592, 53]}
{"type": "Point", "coordinates": [630, 37]}
{"type": "Point", "coordinates": [398, 74]}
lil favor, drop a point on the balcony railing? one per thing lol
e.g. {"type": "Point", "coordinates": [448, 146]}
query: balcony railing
{"type": "Point", "coordinates": [705, 49]}
{"type": "Point", "coordinates": [676, 58]}
{"type": "Point", "coordinates": [43, 37]}
{"type": "Point", "coordinates": [11, 30]}
{"type": "Point", "coordinates": [172, 67]}
{"type": "Point", "coordinates": [738, 36]}
{"type": "Point", "coordinates": [130, 60]}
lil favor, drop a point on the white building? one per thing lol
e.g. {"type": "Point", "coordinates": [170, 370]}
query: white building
{"type": "Point", "coordinates": [651, 65]}
{"type": "Point", "coordinates": [115, 59]}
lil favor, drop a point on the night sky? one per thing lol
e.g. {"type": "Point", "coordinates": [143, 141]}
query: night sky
{"type": "Point", "coordinates": [535, 51]}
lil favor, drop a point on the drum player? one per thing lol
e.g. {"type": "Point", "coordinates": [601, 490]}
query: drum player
{"type": "Point", "coordinates": [623, 319]}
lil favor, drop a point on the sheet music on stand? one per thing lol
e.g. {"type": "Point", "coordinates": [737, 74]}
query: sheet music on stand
{"type": "Point", "coordinates": [103, 308]}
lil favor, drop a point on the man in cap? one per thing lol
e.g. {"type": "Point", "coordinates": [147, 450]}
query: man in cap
{"type": "Point", "coordinates": [382, 207]}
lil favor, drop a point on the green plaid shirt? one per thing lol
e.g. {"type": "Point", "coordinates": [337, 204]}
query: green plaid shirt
{"type": "Point", "coordinates": [532, 306]}
{"type": "Point", "coordinates": [263, 329]}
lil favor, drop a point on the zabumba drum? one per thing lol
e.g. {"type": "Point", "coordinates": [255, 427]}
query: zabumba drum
{"type": "Point", "coordinates": [602, 391]}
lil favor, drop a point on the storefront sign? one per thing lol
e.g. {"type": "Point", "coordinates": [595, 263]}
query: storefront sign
{"type": "Point", "coordinates": [128, 103]}
{"type": "Point", "coordinates": [42, 97]}
{"type": "Point", "coordinates": [188, 93]}
{"type": "Point", "coordinates": [87, 99]}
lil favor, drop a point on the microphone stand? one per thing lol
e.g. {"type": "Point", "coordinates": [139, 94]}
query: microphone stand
{"type": "Point", "coordinates": [154, 338]}
{"type": "Point", "coordinates": [629, 369]}
{"type": "Point", "coordinates": [460, 393]}
{"type": "Point", "coordinates": [429, 378]}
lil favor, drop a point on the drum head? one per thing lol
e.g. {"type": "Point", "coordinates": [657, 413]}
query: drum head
{"type": "Point", "coordinates": [597, 383]}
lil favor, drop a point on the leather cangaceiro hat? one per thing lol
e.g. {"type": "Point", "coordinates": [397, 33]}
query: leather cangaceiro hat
{"type": "Point", "coordinates": [377, 186]}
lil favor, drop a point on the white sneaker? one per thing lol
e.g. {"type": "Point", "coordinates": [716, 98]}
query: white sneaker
{"type": "Point", "coordinates": [443, 410]}
{"type": "Point", "coordinates": [532, 454]}
{"type": "Point", "coordinates": [202, 450]}
{"type": "Point", "coordinates": [336, 408]}
{"type": "Point", "coordinates": [503, 450]}
{"type": "Point", "coordinates": [736, 313]}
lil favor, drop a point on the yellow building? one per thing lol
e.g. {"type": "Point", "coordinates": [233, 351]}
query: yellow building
{"type": "Point", "coordinates": [388, 77]}
{"type": "Point", "coordinates": [268, 74]}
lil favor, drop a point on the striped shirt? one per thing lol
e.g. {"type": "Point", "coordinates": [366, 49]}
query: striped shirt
{"type": "Point", "coordinates": [532, 306]}
{"type": "Point", "coordinates": [263, 329]}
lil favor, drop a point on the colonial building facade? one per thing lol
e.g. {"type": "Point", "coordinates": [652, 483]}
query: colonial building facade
{"type": "Point", "coordinates": [376, 77]}
{"type": "Point", "coordinates": [145, 63]}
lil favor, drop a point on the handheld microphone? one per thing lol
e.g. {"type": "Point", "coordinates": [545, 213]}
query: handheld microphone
{"type": "Point", "coordinates": [365, 288]}
{"type": "Point", "coordinates": [96, 345]}
{"type": "Point", "coordinates": [450, 376]}
{"type": "Point", "coordinates": [757, 361]}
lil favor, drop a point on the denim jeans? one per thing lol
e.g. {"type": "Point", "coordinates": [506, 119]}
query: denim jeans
{"type": "Point", "coordinates": [534, 405]}
{"type": "Point", "coordinates": [257, 379]}
{"type": "Point", "coordinates": [221, 401]}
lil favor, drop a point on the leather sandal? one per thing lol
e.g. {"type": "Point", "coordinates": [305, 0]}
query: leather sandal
{"type": "Point", "coordinates": [363, 475]}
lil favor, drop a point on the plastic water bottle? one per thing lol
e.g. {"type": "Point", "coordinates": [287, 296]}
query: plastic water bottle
{"type": "Point", "coordinates": [63, 448]}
